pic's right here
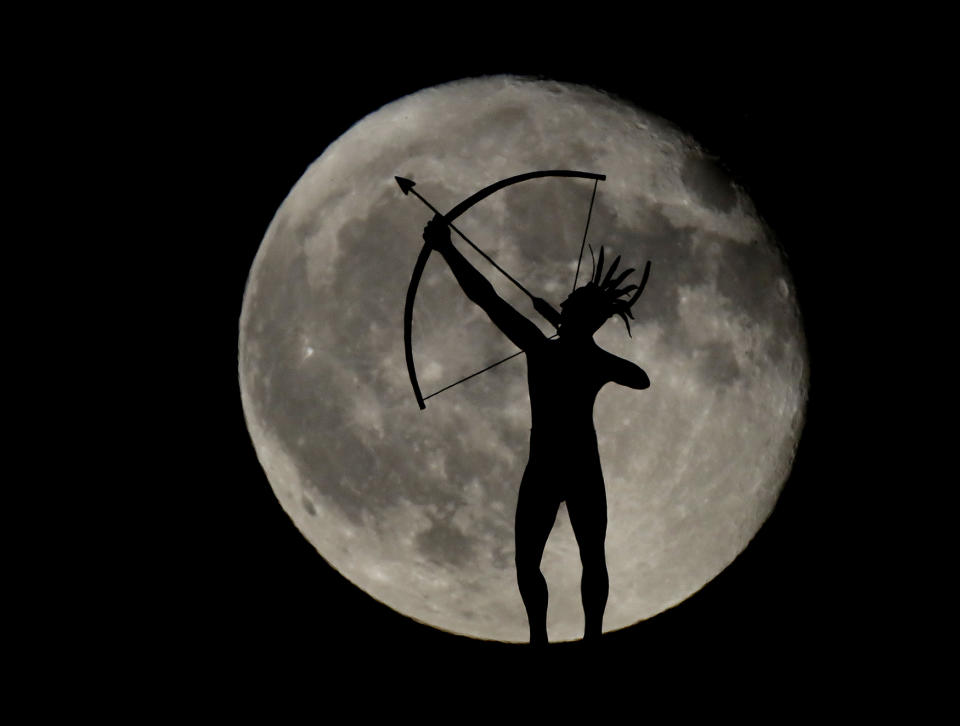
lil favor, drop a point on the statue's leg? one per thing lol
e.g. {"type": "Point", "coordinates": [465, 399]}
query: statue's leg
{"type": "Point", "coordinates": [588, 517]}
{"type": "Point", "coordinates": [536, 513]}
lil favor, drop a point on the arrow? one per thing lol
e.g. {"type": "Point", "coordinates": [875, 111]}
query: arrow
{"type": "Point", "coordinates": [407, 186]}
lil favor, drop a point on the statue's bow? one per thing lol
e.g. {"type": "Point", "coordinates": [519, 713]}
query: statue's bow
{"type": "Point", "coordinates": [406, 185]}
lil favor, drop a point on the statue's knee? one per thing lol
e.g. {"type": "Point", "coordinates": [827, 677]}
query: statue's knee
{"type": "Point", "coordinates": [527, 568]}
{"type": "Point", "coordinates": [594, 564]}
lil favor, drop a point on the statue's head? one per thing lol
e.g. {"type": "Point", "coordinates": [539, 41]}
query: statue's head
{"type": "Point", "coordinates": [589, 306]}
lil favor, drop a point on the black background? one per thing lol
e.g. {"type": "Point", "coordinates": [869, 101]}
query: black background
{"type": "Point", "coordinates": [240, 588]}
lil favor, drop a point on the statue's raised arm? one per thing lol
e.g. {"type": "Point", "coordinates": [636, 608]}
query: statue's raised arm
{"type": "Point", "coordinates": [515, 326]}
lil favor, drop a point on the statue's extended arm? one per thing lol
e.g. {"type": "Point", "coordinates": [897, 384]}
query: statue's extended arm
{"type": "Point", "coordinates": [627, 374]}
{"type": "Point", "coordinates": [515, 326]}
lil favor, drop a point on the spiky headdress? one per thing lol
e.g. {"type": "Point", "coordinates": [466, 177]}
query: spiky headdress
{"type": "Point", "coordinates": [608, 289]}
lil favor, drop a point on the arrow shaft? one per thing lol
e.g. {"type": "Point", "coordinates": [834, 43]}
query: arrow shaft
{"type": "Point", "coordinates": [466, 239]}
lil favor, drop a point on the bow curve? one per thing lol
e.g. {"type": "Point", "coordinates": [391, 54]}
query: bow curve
{"type": "Point", "coordinates": [425, 254]}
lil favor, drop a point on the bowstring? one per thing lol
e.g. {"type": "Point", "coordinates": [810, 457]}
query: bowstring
{"type": "Point", "coordinates": [492, 365]}
{"type": "Point", "coordinates": [585, 229]}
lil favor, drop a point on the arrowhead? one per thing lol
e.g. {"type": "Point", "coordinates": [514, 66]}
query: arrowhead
{"type": "Point", "coordinates": [405, 184]}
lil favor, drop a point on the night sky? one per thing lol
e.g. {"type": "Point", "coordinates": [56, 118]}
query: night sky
{"type": "Point", "coordinates": [241, 587]}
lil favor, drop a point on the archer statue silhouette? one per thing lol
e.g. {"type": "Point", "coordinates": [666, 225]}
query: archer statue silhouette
{"type": "Point", "coordinates": [564, 372]}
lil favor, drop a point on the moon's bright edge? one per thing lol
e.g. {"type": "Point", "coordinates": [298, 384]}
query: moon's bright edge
{"type": "Point", "coordinates": [417, 507]}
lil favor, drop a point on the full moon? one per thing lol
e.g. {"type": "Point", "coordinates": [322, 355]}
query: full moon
{"type": "Point", "coordinates": [417, 507]}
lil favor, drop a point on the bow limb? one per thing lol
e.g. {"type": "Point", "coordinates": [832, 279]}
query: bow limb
{"type": "Point", "coordinates": [425, 254]}
{"type": "Point", "coordinates": [408, 321]}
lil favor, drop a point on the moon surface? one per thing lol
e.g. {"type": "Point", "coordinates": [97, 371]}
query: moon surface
{"type": "Point", "coordinates": [416, 508]}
